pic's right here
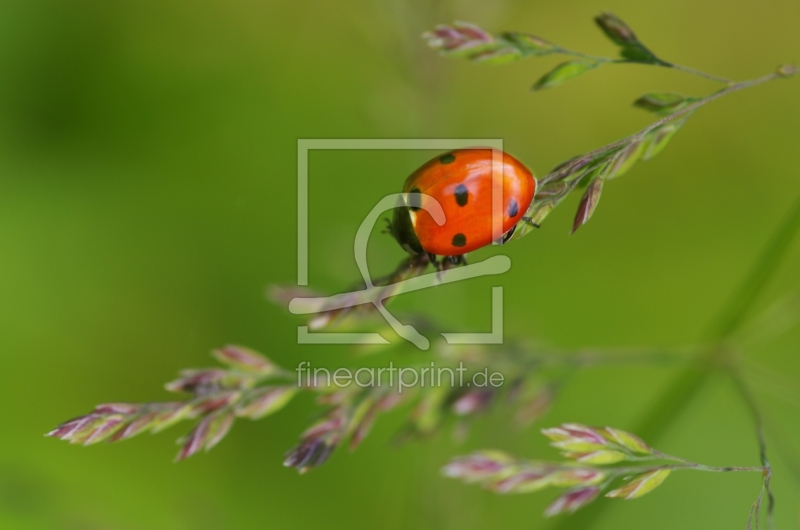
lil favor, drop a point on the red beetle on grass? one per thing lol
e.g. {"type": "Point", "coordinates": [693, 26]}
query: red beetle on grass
{"type": "Point", "coordinates": [461, 181]}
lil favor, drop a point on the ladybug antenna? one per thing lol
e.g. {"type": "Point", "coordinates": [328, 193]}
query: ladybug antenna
{"type": "Point", "coordinates": [388, 229]}
{"type": "Point", "coordinates": [529, 220]}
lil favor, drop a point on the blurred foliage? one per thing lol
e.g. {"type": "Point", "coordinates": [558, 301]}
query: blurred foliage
{"type": "Point", "coordinates": [148, 162]}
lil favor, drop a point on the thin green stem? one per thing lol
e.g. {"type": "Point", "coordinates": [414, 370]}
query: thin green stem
{"type": "Point", "coordinates": [710, 77]}
{"type": "Point", "coordinates": [591, 358]}
{"type": "Point", "coordinates": [659, 454]}
{"type": "Point", "coordinates": [663, 64]}
{"type": "Point", "coordinates": [716, 469]}
{"type": "Point", "coordinates": [694, 465]}
{"type": "Point", "coordinates": [755, 510]}
{"type": "Point", "coordinates": [697, 467]}
{"type": "Point", "coordinates": [635, 470]}
{"type": "Point", "coordinates": [750, 401]}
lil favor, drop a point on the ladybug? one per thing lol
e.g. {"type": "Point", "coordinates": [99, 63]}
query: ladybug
{"type": "Point", "coordinates": [461, 181]}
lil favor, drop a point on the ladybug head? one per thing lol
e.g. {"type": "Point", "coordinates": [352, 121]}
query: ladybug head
{"type": "Point", "coordinates": [402, 230]}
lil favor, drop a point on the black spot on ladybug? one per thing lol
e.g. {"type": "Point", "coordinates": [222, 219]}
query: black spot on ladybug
{"type": "Point", "coordinates": [513, 208]}
{"type": "Point", "coordinates": [449, 158]}
{"type": "Point", "coordinates": [414, 199]}
{"type": "Point", "coordinates": [462, 195]}
{"type": "Point", "coordinates": [459, 240]}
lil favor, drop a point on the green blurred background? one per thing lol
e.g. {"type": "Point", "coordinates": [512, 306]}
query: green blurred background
{"type": "Point", "coordinates": [147, 198]}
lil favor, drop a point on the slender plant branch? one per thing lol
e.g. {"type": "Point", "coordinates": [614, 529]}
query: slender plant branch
{"type": "Point", "coordinates": [663, 64]}
{"type": "Point", "coordinates": [756, 510]}
{"type": "Point", "coordinates": [698, 467]}
{"type": "Point", "coordinates": [635, 470]}
{"type": "Point", "coordinates": [750, 402]}
{"type": "Point", "coordinates": [699, 73]}
{"type": "Point", "coordinates": [702, 467]}
{"type": "Point", "coordinates": [593, 454]}
{"type": "Point", "coordinates": [585, 158]}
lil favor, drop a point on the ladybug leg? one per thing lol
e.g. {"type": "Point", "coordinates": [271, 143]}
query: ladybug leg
{"type": "Point", "coordinates": [447, 263]}
{"type": "Point", "coordinates": [453, 261]}
{"type": "Point", "coordinates": [441, 266]}
{"type": "Point", "coordinates": [529, 220]}
{"type": "Point", "coordinates": [503, 240]}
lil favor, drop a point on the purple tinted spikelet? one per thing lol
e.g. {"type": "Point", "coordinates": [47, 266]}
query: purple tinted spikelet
{"type": "Point", "coordinates": [479, 466]}
{"type": "Point", "coordinates": [212, 402]}
{"type": "Point", "coordinates": [263, 401]}
{"type": "Point", "coordinates": [196, 439]}
{"type": "Point", "coordinates": [640, 485]}
{"type": "Point", "coordinates": [588, 203]}
{"type": "Point", "coordinates": [473, 401]}
{"type": "Point", "coordinates": [572, 501]}
{"type": "Point", "coordinates": [217, 396]}
{"type": "Point", "coordinates": [206, 434]}
{"type": "Point", "coordinates": [525, 481]}
{"type": "Point", "coordinates": [575, 437]}
{"type": "Point", "coordinates": [168, 414]}
{"type": "Point", "coordinates": [245, 359]}
{"type": "Point", "coordinates": [627, 440]}
{"type": "Point", "coordinates": [101, 424]}
{"type": "Point", "coordinates": [591, 450]}
{"type": "Point", "coordinates": [616, 30]}
{"type": "Point", "coordinates": [117, 408]}
{"type": "Point", "coordinates": [623, 36]}
{"type": "Point", "coordinates": [576, 477]}
{"type": "Point", "coordinates": [139, 424]}
{"type": "Point", "coordinates": [596, 445]}
{"type": "Point", "coordinates": [73, 428]}
{"type": "Point", "coordinates": [318, 442]}
{"type": "Point", "coordinates": [459, 39]}
{"type": "Point", "coordinates": [198, 381]}
{"type": "Point", "coordinates": [462, 39]}
{"type": "Point", "coordinates": [309, 454]}
{"type": "Point", "coordinates": [602, 457]}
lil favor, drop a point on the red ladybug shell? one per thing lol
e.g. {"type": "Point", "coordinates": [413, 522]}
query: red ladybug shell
{"type": "Point", "coordinates": [461, 181]}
